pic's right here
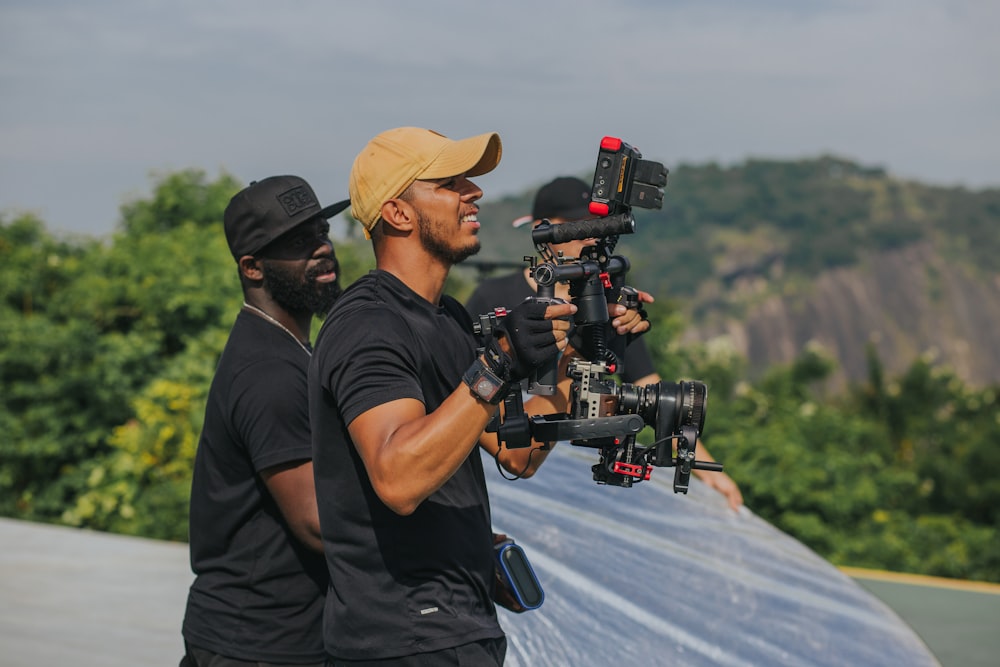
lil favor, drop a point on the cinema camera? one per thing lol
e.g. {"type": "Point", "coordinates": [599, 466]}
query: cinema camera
{"type": "Point", "coordinates": [604, 415]}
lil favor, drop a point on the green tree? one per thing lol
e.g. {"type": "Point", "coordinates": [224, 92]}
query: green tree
{"type": "Point", "coordinates": [142, 484]}
{"type": "Point", "coordinates": [901, 482]}
{"type": "Point", "coordinates": [93, 324]}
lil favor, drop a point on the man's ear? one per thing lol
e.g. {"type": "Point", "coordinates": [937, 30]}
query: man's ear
{"type": "Point", "coordinates": [399, 215]}
{"type": "Point", "coordinates": [250, 268]}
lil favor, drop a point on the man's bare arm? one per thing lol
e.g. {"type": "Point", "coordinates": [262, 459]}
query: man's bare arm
{"type": "Point", "coordinates": [294, 489]}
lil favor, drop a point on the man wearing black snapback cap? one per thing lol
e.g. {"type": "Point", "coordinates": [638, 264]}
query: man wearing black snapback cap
{"type": "Point", "coordinates": [257, 598]}
{"type": "Point", "coordinates": [567, 199]}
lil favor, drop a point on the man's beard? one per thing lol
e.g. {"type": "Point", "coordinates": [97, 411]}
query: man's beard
{"type": "Point", "coordinates": [297, 293]}
{"type": "Point", "coordinates": [437, 247]}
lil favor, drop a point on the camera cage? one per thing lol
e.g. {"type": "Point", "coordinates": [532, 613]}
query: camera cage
{"type": "Point", "coordinates": [603, 414]}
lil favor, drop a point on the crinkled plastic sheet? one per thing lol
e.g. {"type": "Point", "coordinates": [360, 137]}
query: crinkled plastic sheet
{"type": "Point", "coordinates": [644, 576]}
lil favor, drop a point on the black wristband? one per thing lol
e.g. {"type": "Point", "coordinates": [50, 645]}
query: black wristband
{"type": "Point", "coordinates": [485, 383]}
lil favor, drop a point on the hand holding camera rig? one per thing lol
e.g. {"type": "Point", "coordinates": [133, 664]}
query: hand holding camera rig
{"type": "Point", "coordinates": [602, 414]}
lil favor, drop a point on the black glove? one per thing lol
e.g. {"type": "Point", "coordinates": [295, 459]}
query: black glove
{"type": "Point", "coordinates": [530, 335]}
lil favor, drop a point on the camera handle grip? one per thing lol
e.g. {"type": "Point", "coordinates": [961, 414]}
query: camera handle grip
{"type": "Point", "coordinates": [591, 228]}
{"type": "Point", "coordinates": [543, 381]}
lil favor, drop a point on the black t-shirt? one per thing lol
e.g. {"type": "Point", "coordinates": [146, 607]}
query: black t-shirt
{"type": "Point", "coordinates": [258, 593]}
{"type": "Point", "coordinates": [400, 585]}
{"type": "Point", "coordinates": [509, 290]}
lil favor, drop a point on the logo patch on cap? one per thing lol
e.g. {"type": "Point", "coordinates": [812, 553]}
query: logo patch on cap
{"type": "Point", "coordinates": [296, 199]}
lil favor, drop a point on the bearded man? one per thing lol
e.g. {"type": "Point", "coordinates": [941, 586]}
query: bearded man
{"type": "Point", "coordinates": [256, 551]}
{"type": "Point", "coordinates": [399, 400]}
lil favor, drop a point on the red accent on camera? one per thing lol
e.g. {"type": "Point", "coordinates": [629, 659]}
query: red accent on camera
{"type": "Point", "coordinates": [632, 470]}
{"type": "Point", "coordinates": [599, 209]}
{"type": "Point", "coordinates": [611, 143]}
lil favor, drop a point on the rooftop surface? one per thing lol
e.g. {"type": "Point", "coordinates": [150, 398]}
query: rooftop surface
{"type": "Point", "coordinates": [750, 595]}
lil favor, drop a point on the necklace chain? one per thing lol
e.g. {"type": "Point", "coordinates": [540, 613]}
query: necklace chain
{"type": "Point", "coordinates": [279, 325]}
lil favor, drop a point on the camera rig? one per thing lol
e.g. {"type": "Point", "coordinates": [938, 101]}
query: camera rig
{"type": "Point", "coordinates": [603, 414]}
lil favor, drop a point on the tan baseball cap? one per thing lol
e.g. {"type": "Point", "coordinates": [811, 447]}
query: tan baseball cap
{"type": "Point", "coordinates": [395, 158]}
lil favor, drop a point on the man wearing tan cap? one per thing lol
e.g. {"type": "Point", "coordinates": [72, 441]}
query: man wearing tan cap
{"type": "Point", "coordinates": [398, 403]}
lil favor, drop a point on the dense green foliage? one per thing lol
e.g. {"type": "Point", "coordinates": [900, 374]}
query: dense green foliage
{"type": "Point", "coordinates": [897, 474]}
{"type": "Point", "coordinates": [107, 350]}
{"type": "Point", "coordinates": [93, 336]}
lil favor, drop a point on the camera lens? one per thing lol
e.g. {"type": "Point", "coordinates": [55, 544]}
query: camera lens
{"type": "Point", "coordinates": [684, 404]}
{"type": "Point", "coordinates": [667, 406]}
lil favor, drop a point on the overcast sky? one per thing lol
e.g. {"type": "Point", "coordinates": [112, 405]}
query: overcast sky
{"type": "Point", "coordinates": [96, 96]}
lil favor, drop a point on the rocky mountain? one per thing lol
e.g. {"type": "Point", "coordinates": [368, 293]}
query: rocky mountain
{"type": "Point", "coordinates": [774, 256]}
{"type": "Point", "coordinates": [904, 303]}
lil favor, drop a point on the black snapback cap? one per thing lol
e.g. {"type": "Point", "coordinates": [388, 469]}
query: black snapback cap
{"type": "Point", "coordinates": [266, 209]}
{"type": "Point", "coordinates": [565, 197]}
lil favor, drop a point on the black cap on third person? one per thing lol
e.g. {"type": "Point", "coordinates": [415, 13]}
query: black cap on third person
{"type": "Point", "coordinates": [566, 197]}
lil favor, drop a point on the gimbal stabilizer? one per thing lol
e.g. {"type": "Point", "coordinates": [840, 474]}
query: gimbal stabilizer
{"type": "Point", "coordinates": [604, 415]}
